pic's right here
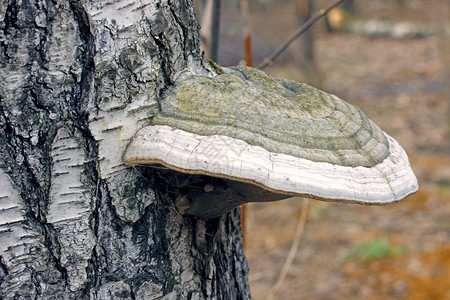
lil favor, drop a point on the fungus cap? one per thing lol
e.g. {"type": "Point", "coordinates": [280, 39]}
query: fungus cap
{"type": "Point", "coordinates": [285, 137]}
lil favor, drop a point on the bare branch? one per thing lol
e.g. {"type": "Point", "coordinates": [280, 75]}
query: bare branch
{"type": "Point", "coordinates": [292, 251]}
{"type": "Point", "coordinates": [323, 12]}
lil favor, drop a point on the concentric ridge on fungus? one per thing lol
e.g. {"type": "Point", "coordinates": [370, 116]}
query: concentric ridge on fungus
{"type": "Point", "coordinates": [279, 115]}
{"type": "Point", "coordinates": [286, 137]}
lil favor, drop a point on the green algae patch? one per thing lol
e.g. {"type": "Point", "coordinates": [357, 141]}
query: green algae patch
{"type": "Point", "coordinates": [215, 66]}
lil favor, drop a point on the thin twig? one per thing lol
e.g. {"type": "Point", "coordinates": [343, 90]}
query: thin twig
{"type": "Point", "coordinates": [214, 47]}
{"type": "Point", "coordinates": [243, 5]}
{"type": "Point", "coordinates": [292, 251]}
{"type": "Point", "coordinates": [323, 12]}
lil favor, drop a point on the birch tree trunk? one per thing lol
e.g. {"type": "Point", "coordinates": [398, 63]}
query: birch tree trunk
{"type": "Point", "coordinates": [78, 79]}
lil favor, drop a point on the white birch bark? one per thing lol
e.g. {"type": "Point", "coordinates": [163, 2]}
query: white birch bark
{"type": "Point", "coordinates": [79, 78]}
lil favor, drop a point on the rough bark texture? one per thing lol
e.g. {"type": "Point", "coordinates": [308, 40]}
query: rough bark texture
{"type": "Point", "coordinates": [79, 78]}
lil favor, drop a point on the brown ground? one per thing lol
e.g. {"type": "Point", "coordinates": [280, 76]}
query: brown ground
{"type": "Point", "coordinates": [403, 85]}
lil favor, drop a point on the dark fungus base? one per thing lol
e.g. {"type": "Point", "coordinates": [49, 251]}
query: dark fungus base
{"type": "Point", "coordinates": [209, 197]}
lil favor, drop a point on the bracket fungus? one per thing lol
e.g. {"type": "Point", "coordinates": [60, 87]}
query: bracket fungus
{"type": "Point", "coordinates": [252, 138]}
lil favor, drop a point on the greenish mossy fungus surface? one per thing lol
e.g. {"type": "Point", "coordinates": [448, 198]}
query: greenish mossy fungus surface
{"type": "Point", "coordinates": [282, 116]}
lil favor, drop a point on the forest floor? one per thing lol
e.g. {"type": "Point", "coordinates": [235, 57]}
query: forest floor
{"type": "Point", "coordinates": [401, 251]}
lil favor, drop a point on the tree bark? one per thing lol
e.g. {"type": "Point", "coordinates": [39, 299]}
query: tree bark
{"type": "Point", "coordinates": [79, 78]}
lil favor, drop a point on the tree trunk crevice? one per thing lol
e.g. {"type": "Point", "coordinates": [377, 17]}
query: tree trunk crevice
{"type": "Point", "coordinates": [79, 78]}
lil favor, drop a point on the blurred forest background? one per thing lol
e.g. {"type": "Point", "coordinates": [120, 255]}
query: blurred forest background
{"type": "Point", "coordinates": [391, 58]}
